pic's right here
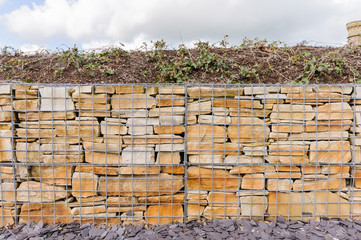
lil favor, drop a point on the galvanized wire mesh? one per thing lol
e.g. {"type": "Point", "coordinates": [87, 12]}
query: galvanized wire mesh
{"type": "Point", "coordinates": [159, 154]}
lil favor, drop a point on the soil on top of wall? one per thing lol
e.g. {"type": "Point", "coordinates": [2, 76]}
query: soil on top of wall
{"type": "Point", "coordinates": [251, 62]}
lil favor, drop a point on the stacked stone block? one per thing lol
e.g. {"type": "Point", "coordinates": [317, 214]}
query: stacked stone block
{"type": "Point", "coordinates": [8, 208]}
{"type": "Point", "coordinates": [100, 154]}
{"type": "Point", "coordinates": [154, 154]}
{"type": "Point", "coordinates": [258, 152]}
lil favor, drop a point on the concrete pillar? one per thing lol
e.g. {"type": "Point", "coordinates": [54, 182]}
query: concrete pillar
{"type": "Point", "coordinates": [354, 33]}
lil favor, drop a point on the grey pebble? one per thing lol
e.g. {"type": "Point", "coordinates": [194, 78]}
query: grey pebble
{"type": "Point", "coordinates": [85, 232]}
{"type": "Point", "coordinates": [334, 228]}
{"type": "Point", "coordinates": [111, 236]}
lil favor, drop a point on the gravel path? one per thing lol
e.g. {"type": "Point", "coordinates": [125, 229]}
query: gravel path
{"type": "Point", "coordinates": [217, 229]}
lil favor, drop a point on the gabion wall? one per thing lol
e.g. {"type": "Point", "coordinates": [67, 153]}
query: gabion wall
{"type": "Point", "coordinates": [159, 154]}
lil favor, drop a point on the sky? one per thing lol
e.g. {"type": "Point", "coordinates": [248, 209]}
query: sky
{"type": "Point", "coordinates": [31, 25]}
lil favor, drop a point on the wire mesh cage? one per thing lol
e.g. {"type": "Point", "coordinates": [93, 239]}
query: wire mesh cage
{"type": "Point", "coordinates": [157, 154]}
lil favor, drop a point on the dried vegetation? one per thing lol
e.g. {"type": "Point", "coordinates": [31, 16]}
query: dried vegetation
{"type": "Point", "coordinates": [252, 61]}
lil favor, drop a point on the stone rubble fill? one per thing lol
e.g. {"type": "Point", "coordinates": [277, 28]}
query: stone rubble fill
{"type": "Point", "coordinates": [128, 154]}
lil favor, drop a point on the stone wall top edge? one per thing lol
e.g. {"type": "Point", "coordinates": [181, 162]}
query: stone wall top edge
{"type": "Point", "coordinates": [6, 82]}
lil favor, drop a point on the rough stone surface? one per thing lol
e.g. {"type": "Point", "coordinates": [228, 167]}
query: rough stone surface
{"type": "Point", "coordinates": [208, 179]}
{"type": "Point", "coordinates": [26, 105]}
{"type": "Point", "coordinates": [138, 170]}
{"type": "Point", "coordinates": [36, 116]}
{"type": "Point", "coordinates": [7, 217]}
{"type": "Point", "coordinates": [113, 126]}
{"type": "Point", "coordinates": [27, 152]}
{"type": "Point", "coordinates": [129, 113]}
{"type": "Point", "coordinates": [313, 136]}
{"type": "Point", "coordinates": [39, 192]}
{"type": "Point", "coordinates": [6, 116]}
{"type": "Point", "coordinates": [5, 89]}
{"type": "Point", "coordinates": [88, 210]}
{"type": "Point", "coordinates": [357, 176]}
{"type": "Point", "coordinates": [222, 199]}
{"type": "Point", "coordinates": [206, 134]}
{"type": "Point", "coordinates": [79, 129]}
{"type": "Point", "coordinates": [305, 205]}
{"type": "Point", "coordinates": [129, 89]}
{"type": "Point", "coordinates": [330, 152]}
{"type": "Point", "coordinates": [138, 155]}
{"type": "Point", "coordinates": [335, 89]}
{"type": "Point", "coordinates": [152, 139]}
{"type": "Point", "coordinates": [207, 149]}
{"type": "Point", "coordinates": [98, 170]}
{"type": "Point", "coordinates": [221, 212]}
{"type": "Point", "coordinates": [166, 111]}
{"type": "Point", "coordinates": [328, 125]}
{"type": "Point", "coordinates": [199, 92]}
{"type": "Point", "coordinates": [247, 112]}
{"type": "Point", "coordinates": [214, 120]}
{"type": "Point", "coordinates": [7, 193]}
{"type": "Point", "coordinates": [255, 151]}
{"type": "Point", "coordinates": [288, 128]}
{"type": "Point", "coordinates": [292, 112]}
{"type": "Point", "coordinates": [58, 175]}
{"type": "Point", "coordinates": [163, 184]}
{"type": "Point", "coordinates": [279, 184]}
{"type": "Point", "coordinates": [260, 90]}
{"type": "Point", "coordinates": [169, 129]}
{"type": "Point", "coordinates": [253, 181]}
{"type": "Point", "coordinates": [171, 120]}
{"type": "Point", "coordinates": [334, 111]}
{"type": "Point", "coordinates": [6, 147]}
{"type": "Point", "coordinates": [102, 147]}
{"type": "Point", "coordinates": [169, 147]}
{"type": "Point", "coordinates": [212, 159]}
{"type": "Point", "coordinates": [320, 184]}
{"type": "Point", "coordinates": [164, 214]}
{"type": "Point", "coordinates": [234, 159]}
{"type": "Point", "coordinates": [288, 150]}
{"type": "Point", "coordinates": [194, 211]}
{"type": "Point", "coordinates": [199, 108]}
{"type": "Point", "coordinates": [52, 213]}
{"type": "Point", "coordinates": [55, 99]}
{"type": "Point", "coordinates": [254, 206]}
{"type": "Point", "coordinates": [251, 169]}
{"type": "Point", "coordinates": [133, 101]}
{"type": "Point", "coordinates": [175, 198]}
{"type": "Point", "coordinates": [170, 100]}
{"type": "Point", "coordinates": [84, 184]}
{"type": "Point", "coordinates": [103, 158]}
{"type": "Point", "coordinates": [177, 90]}
{"type": "Point", "coordinates": [238, 103]}
{"type": "Point", "coordinates": [320, 97]}
{"type": "Point", "coordinates": [168, 158]}
{"type": "Point", "coordinates": [239, 130]}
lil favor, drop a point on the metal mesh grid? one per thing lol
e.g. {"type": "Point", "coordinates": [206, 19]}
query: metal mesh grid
{"type": "Point", "coordinates": [172, 153]}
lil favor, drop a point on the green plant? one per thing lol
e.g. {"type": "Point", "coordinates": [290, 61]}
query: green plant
{"type": "Point", "coordinates": [72, 56]}
{"type": "Point", "coordinates": [179, 67]}
{"type": "Point", "coordinates": [246, 72]}
{"type": "Point", "coordinates": [10, 51]}
{"type": "Point", "coordinates": [225, 42]}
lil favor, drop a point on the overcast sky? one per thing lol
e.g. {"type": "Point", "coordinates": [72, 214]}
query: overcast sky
{"type": "Point", "coordinates": [31, 24]}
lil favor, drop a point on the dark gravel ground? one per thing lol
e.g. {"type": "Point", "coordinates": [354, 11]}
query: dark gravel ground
{"type": "Point", "coordinates": [217, 229]}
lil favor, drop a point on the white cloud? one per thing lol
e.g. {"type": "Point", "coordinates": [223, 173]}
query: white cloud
{"type": "Point", "coordinates": [136, 43]}
{"type": "Point", "coordinates": [28, 48]}
{"type": "Point", "coordinates": [98, 44]}
{"type": "Point", "coordinates": [94, 23]}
